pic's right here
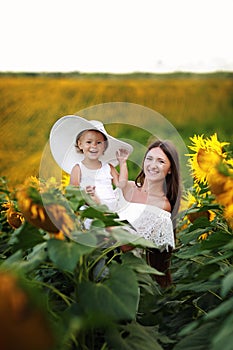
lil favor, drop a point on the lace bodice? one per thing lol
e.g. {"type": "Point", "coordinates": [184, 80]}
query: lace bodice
{"type": "Point", "coordinates": [149, 222]}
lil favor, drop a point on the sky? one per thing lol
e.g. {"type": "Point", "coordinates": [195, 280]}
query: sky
{"type": "Point", "coordinates": [121, 36]}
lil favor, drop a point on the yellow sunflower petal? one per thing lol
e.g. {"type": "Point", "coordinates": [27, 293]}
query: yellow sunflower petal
{"type": "Point", "coordinates": [208, 153]}
{"type": "Point", "coordinates": [34, 211]}
{"type": "Point", "coordinates": [228, 214]}
{"type": "Point", "coordinates": [207, 160]}
{"type": "Point", "coordinates": [41, 214]}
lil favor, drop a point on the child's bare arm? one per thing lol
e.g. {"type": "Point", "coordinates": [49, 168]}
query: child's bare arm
{"type": "Point", "coordinates": [120, 180]}
{"type": "Point", "coordinates": [75, 175]}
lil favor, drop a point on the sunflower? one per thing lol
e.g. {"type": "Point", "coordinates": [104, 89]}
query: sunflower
{"type": "Point", "coordinates": [14, 217]}
{"type": "Point", "coordinates": [43, 206]}
{"type": "Point", "coordinates": [216, 181]}
{"type": "Point", "coordinates": [208, 153]}
{"type": "Point", "coordinates": [221, 185]}
{"type": "Point", "coordinates": [207, 160]}
{"type": "Point", "coordinates": [204, 236]}
{"type": "Point", "coordinates": [225, 198]}
{"type": "Point", "coordinates": [191, 199]}
{"type": "Point", "coordinates": [228, 214]}
{"type": "Point", "coordinates": [229, 162]}
{"type": "Point", "coordinates": [65, 180]}
{"type": "Point", "coordinates": [25, 325]}
{"type": "Point", "coordinates": [195, 202]}
{"type": "Point", "coordinates": [228, 187]}
{"type": "Point", "coordinates": [220, 181]}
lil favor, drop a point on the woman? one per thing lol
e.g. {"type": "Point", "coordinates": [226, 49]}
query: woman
{"type": "Point", "coordinates": [151, 202]}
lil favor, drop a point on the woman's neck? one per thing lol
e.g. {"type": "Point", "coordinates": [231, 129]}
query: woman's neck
{"type": "Point", "coordinates": [154, 189]}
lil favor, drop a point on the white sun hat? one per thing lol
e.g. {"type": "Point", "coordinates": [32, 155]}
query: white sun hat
{"type": "Point", "coordinates": [63, 139]}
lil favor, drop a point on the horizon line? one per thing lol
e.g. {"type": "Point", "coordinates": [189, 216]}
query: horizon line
{"type": "Point", "coordinates": [113, 73]}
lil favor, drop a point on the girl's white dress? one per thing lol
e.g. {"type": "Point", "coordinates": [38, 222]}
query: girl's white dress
{"type": "Point", "coordinates": [102, 180]}
{"type": "Point", "coordinates": [149, 221]}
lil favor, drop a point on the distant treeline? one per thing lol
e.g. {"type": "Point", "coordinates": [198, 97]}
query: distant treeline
{"type": "Point", "coordinates": [134, 75]}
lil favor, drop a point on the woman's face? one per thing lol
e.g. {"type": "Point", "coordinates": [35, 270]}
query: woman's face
{"type": "Point", "coordinates": [156, 164]}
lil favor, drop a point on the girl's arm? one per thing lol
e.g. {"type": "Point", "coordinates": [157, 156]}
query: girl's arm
{"type": "Point", "coordinates": [120, 180]}
{"type": "Point", "coordinates": [75, 175]}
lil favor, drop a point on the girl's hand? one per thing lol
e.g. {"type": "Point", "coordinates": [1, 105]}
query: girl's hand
{"type": "Point", "coordinates": [122, 155]}
{"type": "Point", "coordinates": [90, 190]}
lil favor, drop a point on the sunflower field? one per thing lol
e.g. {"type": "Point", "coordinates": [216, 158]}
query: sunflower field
{"type": "Point", "coordinates": [66, 287]}
{"type": "Point", "coordinates": [31, 103]}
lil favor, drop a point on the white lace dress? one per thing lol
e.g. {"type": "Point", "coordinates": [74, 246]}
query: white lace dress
{"type": "Point", "coordinates": [149, 221]}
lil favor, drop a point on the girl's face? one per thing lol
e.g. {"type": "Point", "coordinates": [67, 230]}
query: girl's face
{"type": "Point", "coordinates": [156, 164]}
{"type": "Point", "coordinates": [92, 143]}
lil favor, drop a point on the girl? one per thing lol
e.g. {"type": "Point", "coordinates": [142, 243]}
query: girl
{"type": "Point", "coordinates": [93, 175]}
{"type": "Point", "coordinates": [85, 150]}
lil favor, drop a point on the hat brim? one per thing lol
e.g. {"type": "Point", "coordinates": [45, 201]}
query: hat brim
{"type": "Point", "coordinates": [63, 138]}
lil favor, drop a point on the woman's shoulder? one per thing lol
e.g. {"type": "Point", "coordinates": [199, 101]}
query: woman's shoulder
{"type": "Point", "coordinates": [131, 183]}
{"type": "Point", "coordinates": [137, 207]}
{"type": "Point", "coordinates": [162, 203]}
{"type": "Point", "coordinates": [167, 206]}
{"type": "Point", "coordinates": [129, 187]}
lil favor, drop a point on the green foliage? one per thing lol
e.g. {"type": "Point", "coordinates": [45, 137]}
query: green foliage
{"type": "Point", "coordinates": [92, 288]}
{"type": "Point", "coordinates": [100, 298]}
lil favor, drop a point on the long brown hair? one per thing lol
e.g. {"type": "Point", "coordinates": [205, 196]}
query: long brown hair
{"type": "Point", "coordinates": [172, 186]}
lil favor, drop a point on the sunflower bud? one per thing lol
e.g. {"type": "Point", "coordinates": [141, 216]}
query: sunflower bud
{"type": "Point", "coordinates": [24, 325]}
